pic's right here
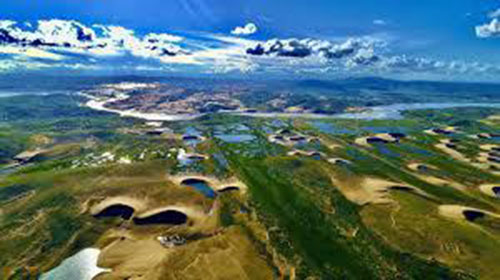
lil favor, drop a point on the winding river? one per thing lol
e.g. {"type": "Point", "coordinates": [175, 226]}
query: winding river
{"type": "Point", "coordinates": [383, 112]}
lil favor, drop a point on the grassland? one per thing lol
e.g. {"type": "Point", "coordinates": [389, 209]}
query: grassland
{"type": "Point", "coordinates": [294, 221]}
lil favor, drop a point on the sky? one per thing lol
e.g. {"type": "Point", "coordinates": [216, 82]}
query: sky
{"type": "Point", "coordinates": [404, 39]}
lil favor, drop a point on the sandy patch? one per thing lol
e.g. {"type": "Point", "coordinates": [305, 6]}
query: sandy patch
{"type": "Point", "coordinates": [418, 167]}
{"type": "Point", "coordinates": [383, 137]}
{"type": "Point", "coordinates": [483, 135]}
{"type": "Point", "coordinates": [415, 166]}
{"type": "Point", "coordinates": [27, 155]}
{"type": "Point", "coordinates": [193, 213]}
{"type": "Point", "coordinates": [441, 131]}
{"type": "Point", "coordinates": [371, 190]}
{"type": "Point", "coordinates": [457, 211]}
{"type": "Point", "coordinates": [131, 257]}
{"type": "Point", "coordinates": [387, 137]}
{"type": "Point", "coordinates": [213, 182]}
{"type": "Point", "coordinates": [332, 146]}
{"type": "Point", "coordinates": [362, 141]}
{"type": "Point", "coordinates": [452, 152]}
{"type": "Point", "coordinates": [231, 183]}
{"type": "Point", "coordinates": [305, 153]}
{"type": "Point", "coordinates": [488, 160]}
{"type": "Point", "coordinates": [442, 182]}
{"type": "Point", "coordinates": [489, 147]}
{"type": "Point", "coordinates": [290, 139]}
{"type": "Point", "coordinates": [227, 255]}
{"type": "Point", "coordinates": [488, 189]}
{"type": "Point", "coordinates": [339, 161]}
{"type": "Point", "coordinates": [492, 120]}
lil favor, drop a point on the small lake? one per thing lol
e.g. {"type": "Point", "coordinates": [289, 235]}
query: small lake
{"type": "Point", "coordinates": [385, 129]}
{"type": "Point", "coordinates": [187, 159]}
{"type": "Point", "coordinates": [235, 138]}
{"type": "Point", "coordinates": [385, 112]}
{"type": "Point", "coordinates": [169, 217]}
{"type": "Point", "coordinates": [200, 186]}
{"type": "Point", "coordinates": [394, 111]}
{"type": "Point", "coordinates": [192, 136]}
{"type": "Point", "coordinates": [81, 266]}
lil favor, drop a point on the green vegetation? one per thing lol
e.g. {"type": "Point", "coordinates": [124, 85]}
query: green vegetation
{"type": "Point", "coordinates": [292, 221]}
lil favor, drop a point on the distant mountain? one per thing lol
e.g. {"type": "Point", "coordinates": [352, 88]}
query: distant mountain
{"type": "Point", "coordinates": [387, 85]}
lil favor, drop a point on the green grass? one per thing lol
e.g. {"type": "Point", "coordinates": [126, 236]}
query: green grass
{"type": "Point", "coordinates": [282, 192]}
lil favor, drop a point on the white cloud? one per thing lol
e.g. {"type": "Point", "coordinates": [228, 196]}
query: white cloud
{"type": "Point", "coordinates": [60, 44]}
{"type": "Point", "coordinates": [379, 22]}
{"type": "Point", "coordinates": [487, 30]}
{"type": "Point", "coordinates": [248, 29]}
{"type": "Point", "coordinates": [29, 65]}
{"type": "Point", "coordinates": [30, 52]}
{"type": "Point", "coordinates": [302, 48]}
{"type": "Point", "coordinates": [100, 40]}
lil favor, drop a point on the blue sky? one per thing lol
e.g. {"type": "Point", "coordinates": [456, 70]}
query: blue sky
{"type": "Point", "coordinates": [409, 39]}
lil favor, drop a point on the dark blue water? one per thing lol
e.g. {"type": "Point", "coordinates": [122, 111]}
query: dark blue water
{"type": "Point", "coordinates": [496, 190]}
{"type": "Point", "coordinates": [471, 215]}
{"type": "Point", "coordinates": [200, 186]}
{"type": "Point", "coordinates": [116, 210]}
{"type": "Point", "coordinates": [229, 189]}
{"type": "Point", "coordinates": [170, 217]}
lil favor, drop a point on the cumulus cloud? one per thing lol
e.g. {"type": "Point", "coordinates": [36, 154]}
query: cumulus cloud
{"type": "Point", "coordinates": [407, 63]}
{"type": "Point", "coordinates": [488, 30]}
{"type": "Point", "coordinates": [67, 44]}
{"type": "Point", "coordinates": [359, 50]}
{"type": "Point", "coordinates": [364, 56]}
{"type": "Point", "coordinates": [354, 56]}
{"type": "Point", "coordinates": [248, 29]}
{"type": "Point", "coordinates": [75, 37]}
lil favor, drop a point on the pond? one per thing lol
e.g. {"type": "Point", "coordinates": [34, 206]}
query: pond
{"type": "Point", "coordinates": [116, 210]}
{"type": "Point", "coordinates": [191, 136]}
{"type": "Point", "coordinates": [201, 186]}
{"type": "Point", "coordinates": [385, 129]}
{"type": "Point", "coordinates": [472, 215]}
{"type": "Point", "coordinates": [229, 189]}
{"type": "Point", "coordinates": [235, 138]}
{"type": "Point", "coordinates": [169, 217]}
{"type": "Point", "coordinates": [394, 111]}
{"type": "Point", "coordinates": [496, 191]}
